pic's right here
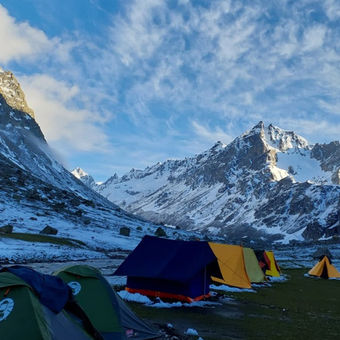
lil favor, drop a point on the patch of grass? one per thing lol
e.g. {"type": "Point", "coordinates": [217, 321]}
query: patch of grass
{"type": "Point", "coordinates": [298, 308]}
{"type": "Point", "coordinates": [211, 323]}
{"type": "Point", "coordinates": [44, 239]}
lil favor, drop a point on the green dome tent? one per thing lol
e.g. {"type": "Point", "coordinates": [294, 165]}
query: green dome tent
{"type": "Point", "coordinates": [23, 316]}
{"type": "Point", "coordinates": [106, 311]}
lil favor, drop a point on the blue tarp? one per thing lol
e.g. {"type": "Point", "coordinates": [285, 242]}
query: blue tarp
{"type": "Point", "coordinates": [161, 258]}
{"type": "Point", "coordinates": [51, 290]}
{"type": "Point", "coordinates": [173, 266]}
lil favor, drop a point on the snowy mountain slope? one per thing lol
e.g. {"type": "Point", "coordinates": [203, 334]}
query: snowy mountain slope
{"type": "Point", "coordinates": [36, 190]}
{"type": "Point", "coordinates": [268, 183]}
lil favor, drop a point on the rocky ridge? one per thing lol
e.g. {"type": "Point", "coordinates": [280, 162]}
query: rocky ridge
{"type": "Point", "coordinates": [267, 184]}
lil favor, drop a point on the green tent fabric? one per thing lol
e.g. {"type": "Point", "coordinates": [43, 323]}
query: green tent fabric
{"type": "Point", "coordinates": [253, 269]}
{"type": "Point", "coordinates": [106, 311]}
{"type": "Point", "coordinates": [22, 316]}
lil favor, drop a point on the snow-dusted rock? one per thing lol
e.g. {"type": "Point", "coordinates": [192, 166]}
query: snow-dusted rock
{"type": "Point", "coordinates": [266, 184]}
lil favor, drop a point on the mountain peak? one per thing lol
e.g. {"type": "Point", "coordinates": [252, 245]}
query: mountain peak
{"type": "Point", "coordinates": [218, 146]}
{"type": "Point", "coordinates": [276, 137]}
{"type": "Point", "coordinates": [84, 177]}
{"type": "Point", "coordinates": [259, 125]}
{"type": "Point", "coordinates": [267, 183]}
{"type": "Point", "coordinates": [11, 91]}
{"type": "Point", "coordinates": [79, 172]}
{"type": "Point", "coordinates": [284, 140]}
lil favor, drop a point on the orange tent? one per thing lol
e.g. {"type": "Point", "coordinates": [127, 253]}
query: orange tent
{"type": "Point", "coordinates": [324, 269]}
{"type": "Point", "coordinates": [231, 263]}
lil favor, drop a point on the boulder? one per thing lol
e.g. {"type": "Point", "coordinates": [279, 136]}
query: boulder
{"type": "Point", "coordinates": [48, 230]}
{"type": "Point", "coordinates": [313, 231]}
{"type": "Point", "coordinates": [321, 252]}
{"type": "Point", "coordinates": [160, 232]}
{"type": "Point", "coordinates": [125, 231]}
{"type": "Point", "coordinates": [6, 229]}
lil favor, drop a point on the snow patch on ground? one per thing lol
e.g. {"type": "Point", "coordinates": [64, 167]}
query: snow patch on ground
{"type": "Point", "coordinates": [226, 288]}
{"type": "Point", "coordinates": [281, 278]}
{"type": "Point", "coordinates": [162, 304]}
{"type": "Point", "coordinates": [136, 297]}
{"type": "Point", "coordinates": [191, 331]}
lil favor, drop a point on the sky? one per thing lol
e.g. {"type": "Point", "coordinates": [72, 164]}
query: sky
{"type": "Point", "coordinates": [122, 84]}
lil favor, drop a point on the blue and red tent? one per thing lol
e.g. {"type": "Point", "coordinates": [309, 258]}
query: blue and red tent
{"type": "Point", "coordinates": [170, 268]}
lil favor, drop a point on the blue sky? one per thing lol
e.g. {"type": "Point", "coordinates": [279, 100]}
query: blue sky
{"type": "Point", "coordinates": [124, 84]}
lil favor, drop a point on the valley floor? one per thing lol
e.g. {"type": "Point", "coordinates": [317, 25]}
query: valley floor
{"type": "Point", "coordinates": [298, 308]}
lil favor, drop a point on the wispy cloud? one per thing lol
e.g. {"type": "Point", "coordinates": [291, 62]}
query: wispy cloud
{"type": "Point", "coordinates": [227, 59]}
{"type": "Point", "coordinates": [212, 135]}
{"type": "Point", "coordinates": [186, 71]}
{"type": "Point", "coordinates": [314, 37]}
{"type": "Point", "coordinates": [308, 127]}
{"type": "Point", "coordinates": [61, 120]}
{"type": "Point", "coordinates": [332, 9]}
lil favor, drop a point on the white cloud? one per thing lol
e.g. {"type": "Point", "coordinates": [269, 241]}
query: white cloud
{"type": "Point", "coordinates": [312, 128]}
{"type": "Point", "coordinates": [61, 120]}
{"type": "Point", "coordinates": [20, 40]}
{"type": "Point", "coordinates": [332, 8]}
{"type": "Point", "coordinates": [225, 60]}
{"type": "Point", "coordinates": [332, 108]}
{"type": "Point", "coordinates": [213, 136]}
{"type": "Point", "coordinates": [314, 38]}
{"type": "Point", "coordinates": [135, 36]}
{"type": "Point", "coordinates": [162, 66]}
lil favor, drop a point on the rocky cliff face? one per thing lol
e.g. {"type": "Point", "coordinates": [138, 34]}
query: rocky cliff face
{"type": "Point", "coordinates": [36, 190]}
{"type": "Point", "coordinates": [12, 93]}
{"type": "Point", "coordinates": [329, 157]}
{"type": "Point", "coordinates": [268, 184]}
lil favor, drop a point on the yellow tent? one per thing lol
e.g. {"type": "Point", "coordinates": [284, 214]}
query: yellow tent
{"type": "Point", "coordinates": [274, 269]}
{"type": "Point", "coordinates": [324, 269]}
{"type": "Point", "coordinates": [231, 264]}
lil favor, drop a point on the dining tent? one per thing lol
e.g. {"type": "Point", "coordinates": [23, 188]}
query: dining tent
{"type": "Point", "coordinates": [173, 269]}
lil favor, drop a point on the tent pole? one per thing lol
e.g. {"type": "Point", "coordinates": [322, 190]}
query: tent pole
{"type": "Point", "coordinates": [205, 279]}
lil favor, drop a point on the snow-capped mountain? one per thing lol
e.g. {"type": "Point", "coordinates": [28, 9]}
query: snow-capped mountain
{"type": "Point", "coordinates": [87, 179]}
{"type": "Point", "coordinates": [37, 191]}
{"type": "Point", "coordinates": [267, 183]}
